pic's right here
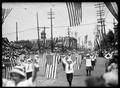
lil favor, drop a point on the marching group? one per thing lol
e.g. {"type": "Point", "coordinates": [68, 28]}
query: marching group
{"type": "Point", "coordinates": [69, 61]}
{"type": "Point", "coordinates": [21, 76]}
{"type": "Point", "coordinates": [110, 77]}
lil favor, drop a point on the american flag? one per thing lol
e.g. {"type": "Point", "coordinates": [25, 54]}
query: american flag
{"type": "Point", "coordinates": [78, 63]}
{"type": "Point", "coordinates": [74, 12]}
{"type": "Point", "coordinates": [51, 67]}
{"type": "Point", "coordinates": [96, 42]}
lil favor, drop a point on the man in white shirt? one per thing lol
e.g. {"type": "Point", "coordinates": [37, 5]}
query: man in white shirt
{"type": "Point", "coordinates": [88, 63]}
{"type": "Point", "coordinates": [69, 68]}
{"type": "Point", "coordinates": [29, 69]}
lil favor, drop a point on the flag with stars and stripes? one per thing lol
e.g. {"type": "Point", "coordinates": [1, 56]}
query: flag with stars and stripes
{"type": "Point", "coordinates": [74, 12]}
{"type": "Point", "coordinates": [51, 65]}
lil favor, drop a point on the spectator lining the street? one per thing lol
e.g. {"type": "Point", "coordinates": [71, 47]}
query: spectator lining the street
{"type": "Point", "coordinates": [111, 78]}
{"type": "Point", "coordinates": [18, 76]}
{"type": "Point", "coordinates": [108, 57]}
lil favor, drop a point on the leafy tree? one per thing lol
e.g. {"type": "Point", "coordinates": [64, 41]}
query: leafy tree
{"type": "Point", "coordinates": [110, 38]}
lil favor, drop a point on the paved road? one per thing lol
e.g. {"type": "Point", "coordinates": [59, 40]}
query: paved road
{"type": "Point", "coordinates": [78, 78]}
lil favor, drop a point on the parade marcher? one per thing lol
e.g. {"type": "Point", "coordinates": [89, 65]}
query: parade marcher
{"type": "Point", "coordinates": [18, 76]}
{"type": "Point", "coordinates": [63, 64]}
{"type": "Point", "coordinates": [113, 63]}
{"type": "Point", "coordinates": [69, 68]}
{"type": "Point", "coordinates": [29, 68]}
{"type": "Point", "coordinates": [88, 63]}
{"type": "Point", "coordinates": [93, 59]}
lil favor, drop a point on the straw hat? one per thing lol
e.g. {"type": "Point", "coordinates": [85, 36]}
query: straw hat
{"type": "Point", "coordinates": [19, 70]}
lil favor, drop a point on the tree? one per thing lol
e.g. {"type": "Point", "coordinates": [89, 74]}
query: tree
{"type": "Point", "coordinates": [116, 33]}
{"type": "Point", "coordinates": [110, 38]}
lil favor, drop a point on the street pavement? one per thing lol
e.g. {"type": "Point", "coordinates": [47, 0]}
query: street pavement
{"type": "Point", "coordinates": [79, 76]}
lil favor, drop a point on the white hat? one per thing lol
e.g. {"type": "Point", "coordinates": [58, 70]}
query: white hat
{"type": "Point", "coordinates": [18, 70]}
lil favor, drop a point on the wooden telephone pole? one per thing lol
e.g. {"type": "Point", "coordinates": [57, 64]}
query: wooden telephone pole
{"type": "Point", "coordinates": [16, 31]}
{"type": "Point", "coordinates": [51, 18]}
{"type": "Point", "coordinates": [101, 20]}
{"type": "Point", "coordinates": [38, 33]}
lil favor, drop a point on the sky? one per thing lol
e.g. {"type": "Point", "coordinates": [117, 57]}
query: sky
{"type": "Point", "coordinates": [25, 16]}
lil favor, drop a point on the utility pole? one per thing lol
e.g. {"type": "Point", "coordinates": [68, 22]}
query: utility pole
{"type": "Point", "coordinates": [101, 20]}
{"type": "Point", "coordinates": [68, 29]}
{"type": "Point", "coordinates": [38, 33]}
{"type": "Point", "coordinates": [51, 18]}
{"type": "Point", "coordinates": [16, 32]}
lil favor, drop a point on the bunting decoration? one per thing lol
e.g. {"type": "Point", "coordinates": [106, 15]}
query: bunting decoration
{"type": "Point", "coordinates": [5, 13]}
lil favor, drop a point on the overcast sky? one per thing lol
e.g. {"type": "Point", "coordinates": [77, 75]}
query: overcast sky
{"type": "Point", "coordinates": [25, 15]}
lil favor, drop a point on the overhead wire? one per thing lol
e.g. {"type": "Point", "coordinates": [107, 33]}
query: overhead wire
{"type": "Point", "coordinates": [39, 27]}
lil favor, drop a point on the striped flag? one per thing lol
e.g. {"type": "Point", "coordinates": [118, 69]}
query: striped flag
{"type": "Point", "coordinates": [77, 65]}
{"type": "Point", "coordinates": [100, 34]}
{"type": "Point", "coordinates": [97, 42]}
{"type": "Point", "coordinates": [51, 66]}
{"type": "Point", "coordinates": [74, 12]}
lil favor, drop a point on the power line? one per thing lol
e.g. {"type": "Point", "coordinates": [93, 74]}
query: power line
{"type": "Point", "coordinates": [20, 31]}
{"type": "Point", "coordinates": [48, 27]}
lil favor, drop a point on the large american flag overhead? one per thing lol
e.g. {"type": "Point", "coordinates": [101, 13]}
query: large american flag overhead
{"type": "Point", "coordinates": [74, 12]}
